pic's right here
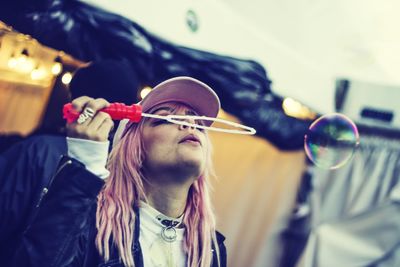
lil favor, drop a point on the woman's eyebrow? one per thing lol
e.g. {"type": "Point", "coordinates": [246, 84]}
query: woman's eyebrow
{"type": "Point", "coordinates": [163, 109]}
{"type": "Point", "coordinates": [171, 110]}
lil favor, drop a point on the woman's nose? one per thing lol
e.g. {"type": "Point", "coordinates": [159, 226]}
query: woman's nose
{"type": "Point", "coordinates": [191, 127]}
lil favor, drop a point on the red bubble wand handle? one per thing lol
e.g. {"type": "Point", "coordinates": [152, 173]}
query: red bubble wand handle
{"type": "Point", "coordinates": [117, 111]}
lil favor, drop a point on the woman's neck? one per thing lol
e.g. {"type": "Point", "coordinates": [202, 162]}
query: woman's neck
{"type": "Point", "coordinates": [168, 199]}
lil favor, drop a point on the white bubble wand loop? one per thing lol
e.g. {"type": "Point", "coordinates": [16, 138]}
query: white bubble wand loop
{"type": "Point", "coordinates": [182, 120]}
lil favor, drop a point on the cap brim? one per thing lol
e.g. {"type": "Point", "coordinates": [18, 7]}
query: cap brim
{"type": "Point", "coordinates": [186, 90]}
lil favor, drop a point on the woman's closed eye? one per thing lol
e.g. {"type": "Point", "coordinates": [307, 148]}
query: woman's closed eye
{"type": "Point", "coordinates": [159, 122]}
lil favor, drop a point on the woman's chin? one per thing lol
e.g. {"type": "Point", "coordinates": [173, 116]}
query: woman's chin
{"type": "Point", "coordinates": [193, 167]}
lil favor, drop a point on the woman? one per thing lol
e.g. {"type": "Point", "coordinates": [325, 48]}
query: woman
{"type": "Point", "coordinates": [154, 207]}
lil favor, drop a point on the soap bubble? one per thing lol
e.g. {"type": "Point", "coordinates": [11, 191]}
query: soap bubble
{"type": "Point", "coordinates": [331, 141]}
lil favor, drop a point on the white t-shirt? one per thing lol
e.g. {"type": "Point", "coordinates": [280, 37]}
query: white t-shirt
{"type": "Point", "coordinates": [158, 252]}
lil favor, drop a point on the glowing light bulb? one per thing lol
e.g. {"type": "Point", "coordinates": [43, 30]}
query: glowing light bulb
{"type": "Point", "coordinates": [290, 106]}
{"type": "Point", "coordinates": [56, 68]}
{"type": "Point", "coordinates": [66, 78]}
{"type": "Point", "coordinates": [295, 109]}
{"type": "Point", "coordinates": [145, 91]}
{"type": "Point", "coordinates": [25, 63]}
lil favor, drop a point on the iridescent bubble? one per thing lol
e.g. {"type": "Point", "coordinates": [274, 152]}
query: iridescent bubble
{"type": "Point", "coordinates": [331, 141]}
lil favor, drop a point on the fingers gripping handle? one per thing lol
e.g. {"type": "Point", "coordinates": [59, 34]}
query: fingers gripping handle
{"type": "Point", "coordinates": [117, 111]}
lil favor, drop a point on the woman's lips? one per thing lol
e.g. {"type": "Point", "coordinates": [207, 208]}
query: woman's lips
{"type": "Point", "coordinates": [191, 139]}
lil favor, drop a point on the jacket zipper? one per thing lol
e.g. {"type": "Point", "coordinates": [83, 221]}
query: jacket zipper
{"type": "Point", "coordinates": [45, 190]}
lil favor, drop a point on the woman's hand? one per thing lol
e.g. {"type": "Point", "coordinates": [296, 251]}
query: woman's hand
{"type": "Point", "coordinates": [92, 124]}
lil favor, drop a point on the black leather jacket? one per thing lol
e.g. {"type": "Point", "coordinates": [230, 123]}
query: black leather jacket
{"type": "Point", "coordinates": [61, 230]}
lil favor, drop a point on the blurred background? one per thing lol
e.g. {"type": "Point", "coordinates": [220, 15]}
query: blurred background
{"type": "Point", "coordinates": [277, 66]}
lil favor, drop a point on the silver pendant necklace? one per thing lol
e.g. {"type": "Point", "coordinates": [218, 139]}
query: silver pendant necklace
{"type": "Point", "coordinates": [168, 231]}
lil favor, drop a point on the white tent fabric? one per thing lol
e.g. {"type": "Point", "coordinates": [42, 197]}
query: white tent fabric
{"type": "Point", "coordinates": [356, 210]}
{"type": "Point", "coordinates": [357, 39]}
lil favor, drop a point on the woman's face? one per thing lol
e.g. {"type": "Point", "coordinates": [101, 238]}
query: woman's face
{"type": "Point", "coordinates": [172, 148]}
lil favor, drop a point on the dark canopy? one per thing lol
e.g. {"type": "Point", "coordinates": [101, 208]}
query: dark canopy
{"type": "Point", "coordinates": [90, 34]}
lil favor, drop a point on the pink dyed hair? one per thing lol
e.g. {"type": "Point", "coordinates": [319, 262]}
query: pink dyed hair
{"type": "Point", "coordinates": [115, 216]}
